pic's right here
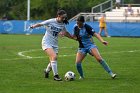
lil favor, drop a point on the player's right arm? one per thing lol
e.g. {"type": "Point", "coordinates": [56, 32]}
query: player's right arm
{"type": "Point", "coordinates": [46, 22]}
{"type": "Point", "coordinates": [35, 25]}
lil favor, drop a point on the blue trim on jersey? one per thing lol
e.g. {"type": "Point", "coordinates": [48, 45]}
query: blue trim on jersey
{"type": "Point", "coordinates": [84, 35]}
{"type": "Point", "coordinates": [86, 39]}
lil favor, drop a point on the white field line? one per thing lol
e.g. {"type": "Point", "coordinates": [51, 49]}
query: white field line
{"type": "Point", "coordinates": [28, 57]}
{"type": "Point", "coordinates": [21, 54]}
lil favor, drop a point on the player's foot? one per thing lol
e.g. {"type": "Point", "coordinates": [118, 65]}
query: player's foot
{"type": "Point", "coordinates": [81, 78]}
{"type": "Point", "coordinates": [57, 78]}
{"type": "Point", "coordinates": [114, 76]}
{"type": "Point", "coordinates": [46, 74]}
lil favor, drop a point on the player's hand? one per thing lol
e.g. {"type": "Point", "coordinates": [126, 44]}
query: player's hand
{"type": "Point", "coordinates": [31, 27]}
{"type": "Point", "coordinates": [62, 34]}
{"type": "Point", "coordinates": [105, 43]}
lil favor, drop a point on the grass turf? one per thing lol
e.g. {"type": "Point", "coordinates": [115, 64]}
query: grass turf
{"type": "Point", "coordinates": [19, 74]}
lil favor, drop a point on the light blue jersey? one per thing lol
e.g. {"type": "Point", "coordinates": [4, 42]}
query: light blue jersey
{"type": "Point", "coordinates": [84, 37]}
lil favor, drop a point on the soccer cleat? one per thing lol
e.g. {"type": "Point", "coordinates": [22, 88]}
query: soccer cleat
{"type": "Point", "coordinates": [114, 76]}
{"type": "Point", "coordinates": [46, 74]}
{"type": "Point", "coordinates": [57, 78]}
{"type": "Point", "coordinates": [81, 78]}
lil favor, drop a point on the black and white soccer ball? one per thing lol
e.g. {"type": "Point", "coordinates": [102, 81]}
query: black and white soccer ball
{"type": "Point", "coordinates": [70, 76]}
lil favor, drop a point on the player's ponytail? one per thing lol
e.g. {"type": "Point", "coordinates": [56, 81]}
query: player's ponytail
{"type": "Point", "coordinates": [66, 21]}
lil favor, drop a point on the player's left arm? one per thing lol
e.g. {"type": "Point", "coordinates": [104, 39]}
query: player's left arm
{"type": "Point", "coordinates": [66, 34]}
{"type": "Point", "coordinates": [100, 39]}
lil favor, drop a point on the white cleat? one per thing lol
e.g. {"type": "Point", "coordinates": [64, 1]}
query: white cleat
{"type": "Point", "coordinates": [81, 78]}
{"type": "Point", "coordinates": [114, 76]}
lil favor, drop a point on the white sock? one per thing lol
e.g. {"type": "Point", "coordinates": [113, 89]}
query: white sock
{"type": "Point", "coordinates": [54, 67]}
{"type": "Point", "coordinates": [49, 68]}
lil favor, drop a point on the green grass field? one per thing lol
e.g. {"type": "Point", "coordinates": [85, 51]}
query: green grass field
{"type": "Point", "coordinates": [22, 63]}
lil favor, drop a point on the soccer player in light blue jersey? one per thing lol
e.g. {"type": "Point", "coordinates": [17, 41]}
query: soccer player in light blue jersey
{"type": "Point", "coordinates": [83, 34]}
{"type": "Point", "coordinates": [55, 26]}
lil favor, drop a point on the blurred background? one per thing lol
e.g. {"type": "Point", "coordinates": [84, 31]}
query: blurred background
{"type": "Point", "coordinates": [17, 15]}
{"type": "Point", "coordinates": [44, 9]}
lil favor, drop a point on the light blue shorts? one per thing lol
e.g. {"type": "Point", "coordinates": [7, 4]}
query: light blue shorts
{"type": "Point", "coordinates": [87, 49]}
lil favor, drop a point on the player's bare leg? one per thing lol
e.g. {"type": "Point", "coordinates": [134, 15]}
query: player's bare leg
{"type": "Point", "coordinates": [106, 33]}
{"type": "Point", "coordinates": [53, 62]}
{"type": "Point", "coordinates": [100, 31]}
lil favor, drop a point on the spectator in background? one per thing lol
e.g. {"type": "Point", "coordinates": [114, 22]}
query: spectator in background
{"type": "Point", "coordinates": [102, 25]}
{"type": "Point", "coordinates": [129, 11]}
{"type": "Point", "coordinates": [4, 17]}
{"type": "Point", "coordinates": [117, 4]}
{"type": "Point", "coordinates": [138, 13]}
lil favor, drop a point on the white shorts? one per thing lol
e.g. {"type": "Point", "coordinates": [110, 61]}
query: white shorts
{"type": "Point", "coordinates": [46, 43]}
{"type": "Point", "coordinates": [45, 46]}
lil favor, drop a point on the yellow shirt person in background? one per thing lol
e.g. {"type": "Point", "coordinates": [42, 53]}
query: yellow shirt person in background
{"type": "Point", "coordinates": [102, 25]}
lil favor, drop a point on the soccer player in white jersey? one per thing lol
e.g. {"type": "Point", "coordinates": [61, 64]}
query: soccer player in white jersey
{"type": "Point", "coordinates": [55, 26]}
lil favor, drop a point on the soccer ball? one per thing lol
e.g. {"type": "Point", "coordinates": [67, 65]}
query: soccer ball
{"type": "Point", "coordinates": [70, 76]}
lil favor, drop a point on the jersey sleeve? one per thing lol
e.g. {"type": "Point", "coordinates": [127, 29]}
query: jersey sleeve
{"type": "Point", "coordinates": [46, 22]}
{"type": "Point", "coordinates": [89, 29]}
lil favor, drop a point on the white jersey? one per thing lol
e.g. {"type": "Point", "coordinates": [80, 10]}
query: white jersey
{"type": "Point", "coordinates": [50, 39]}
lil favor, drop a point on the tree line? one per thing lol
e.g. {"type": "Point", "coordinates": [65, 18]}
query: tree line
{"type": "Point", "coordinates": [44, 9]}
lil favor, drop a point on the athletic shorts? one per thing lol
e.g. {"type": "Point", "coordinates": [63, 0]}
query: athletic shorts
{"type": "Point", "coordinates": [87, 49]}
{"type": "Point", "coordinates": [45, 46]}
{"type": "Point", "coordinates": [103, 27]}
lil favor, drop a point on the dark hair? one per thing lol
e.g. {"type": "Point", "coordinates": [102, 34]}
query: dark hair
{"type": "Point", "coordinates": [81, 19]}
{"type": "Point", "coordinates": [66, 21]}
{"type": "Point", "coordinates": [61, 12]}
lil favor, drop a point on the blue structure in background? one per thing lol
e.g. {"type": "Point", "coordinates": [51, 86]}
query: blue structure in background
{"type": "Point", "coordinates": [20, 27]}
{"type": "Point", "coordinates": [113, 28]}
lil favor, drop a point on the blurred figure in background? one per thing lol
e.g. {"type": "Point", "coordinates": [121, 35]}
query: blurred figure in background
{"type": "Point", "coordinates": [102, 25]}
{"type": "Point", "coordinates": [138, 13]}
{"type": "Point", "coordinates": [129, 11]}
{"type": "Point", "coordinates": [117, 4]}
{"type": "Point", "coordinates": [4, 17]}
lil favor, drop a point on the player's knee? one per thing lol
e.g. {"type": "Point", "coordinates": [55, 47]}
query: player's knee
{"type": "Point", "coordinates": [54, 57]}
{"type": "Point", "coordinates": [99, 59]}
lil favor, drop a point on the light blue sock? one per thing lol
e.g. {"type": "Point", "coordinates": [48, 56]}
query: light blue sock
{"type": "Point", "coordinates": [79, 69]}
{"type": "Point", "coordinates": [106, 67]}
